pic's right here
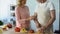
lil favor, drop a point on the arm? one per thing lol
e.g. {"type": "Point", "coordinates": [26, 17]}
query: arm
{"type": "Point", "coordinates": [38, 25]}
{"type": "Point", "coordinates": [52, 19]}
{"type": "Point", "coordinates": [17, 14]}
{"type": "Point", "coordinates": [34, 17]}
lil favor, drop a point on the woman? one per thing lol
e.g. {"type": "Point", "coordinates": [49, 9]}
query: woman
{"type": "Point", "coordinates": [21, 13]}
{"type": "Point", "coordinates": [44, 16]}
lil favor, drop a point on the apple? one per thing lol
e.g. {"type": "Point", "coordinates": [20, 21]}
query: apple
{"type": "Point", "coordinates": [31, 31]}
{"type": "Point", "coordinates": [17, 29]}
{"type": "Point", "coordinates": [9, 25]}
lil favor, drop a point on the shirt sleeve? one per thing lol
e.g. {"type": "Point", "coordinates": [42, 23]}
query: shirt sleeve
{"type": "Point", "coordinates": [51, 6]}
{"type": "Point", "coordinates": [17, 14]}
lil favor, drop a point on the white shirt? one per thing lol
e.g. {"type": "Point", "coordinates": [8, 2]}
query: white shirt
{"type": "Point", "coordinates": [43, 12]}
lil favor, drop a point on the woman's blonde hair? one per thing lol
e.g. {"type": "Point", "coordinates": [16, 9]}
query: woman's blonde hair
{"type": "Point", "coordinates": [19, 2]}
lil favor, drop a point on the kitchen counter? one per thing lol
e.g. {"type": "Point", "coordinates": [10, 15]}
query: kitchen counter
{"type": "Point", "coordinates": [11, 31]}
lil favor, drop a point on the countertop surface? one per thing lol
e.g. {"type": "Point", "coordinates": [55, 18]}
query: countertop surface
{"type": "Point", "coordinates": [11, 31]}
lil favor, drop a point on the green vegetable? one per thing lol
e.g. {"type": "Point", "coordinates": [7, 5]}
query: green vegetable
{"type": "Point", "coordinates": [1, 23]}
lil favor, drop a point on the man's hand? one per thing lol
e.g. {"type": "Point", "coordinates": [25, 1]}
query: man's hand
{"type": "Point", "coordinates": [42, 29]}
{"type": "Point", "coordinates": [38, 25]}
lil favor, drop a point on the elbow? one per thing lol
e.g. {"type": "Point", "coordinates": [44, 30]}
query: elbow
{"type": "Point", "coordinates": [53, 18]}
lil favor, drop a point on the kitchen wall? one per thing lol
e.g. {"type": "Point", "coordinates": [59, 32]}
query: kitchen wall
{"type": "Point", "coordinates": [5, 10]}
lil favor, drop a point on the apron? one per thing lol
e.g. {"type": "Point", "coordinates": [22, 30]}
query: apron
{"type": "Point", "coordinates": [43, 16]}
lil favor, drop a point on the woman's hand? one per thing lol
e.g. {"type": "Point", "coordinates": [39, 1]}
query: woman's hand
{"type": "Point", "coordinates": [30, 18]}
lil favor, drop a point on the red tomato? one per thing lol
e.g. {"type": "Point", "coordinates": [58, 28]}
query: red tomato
{"type": "Point", "coordinates": [17, 29]}
{"type": "Point", "coordinates": [31, 31]}
{"type": "Point", "coordinates": [9, 25]}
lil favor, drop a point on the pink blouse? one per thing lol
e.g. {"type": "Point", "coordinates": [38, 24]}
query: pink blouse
{"type": "Point", "coordinates": [21, 14]}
